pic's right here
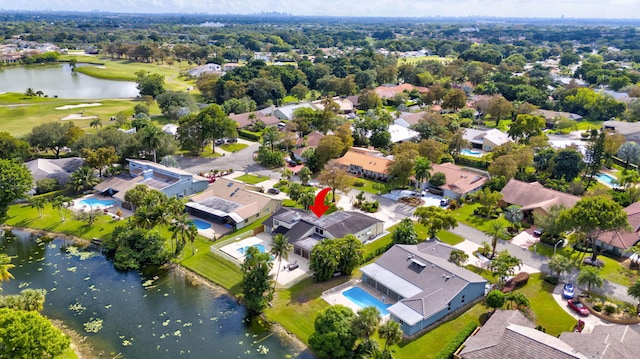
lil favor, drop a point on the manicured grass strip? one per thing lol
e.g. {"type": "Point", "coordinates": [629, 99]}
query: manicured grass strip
{"type": "Point", "coordinates": [373, 187]}
{"type": "Point", "coordinates": [216, 269]}
{"type": "Point", "coordinates": [429, 344]}
{"type": "Point", "coordinates": [548, 313]}
{"type": "Point", "coordinates": [252, 179]}
{"type": "Point", "coordinates": [234, 147]}
{"type": "Point", "coordinates": [465, 215]}
{"type": "Point", "coordinates": [450, 238]}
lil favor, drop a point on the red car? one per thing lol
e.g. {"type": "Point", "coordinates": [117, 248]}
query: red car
{"type": "Point", "coordinates": [578, 307]}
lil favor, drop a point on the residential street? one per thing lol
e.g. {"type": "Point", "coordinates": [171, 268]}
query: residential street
{"type": "Point", "coordinates": [540, 262]}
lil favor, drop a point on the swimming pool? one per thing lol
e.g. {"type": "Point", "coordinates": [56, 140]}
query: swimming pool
{"type": "Point", "coordinates": [608, 179]}
{"type": "Point", "coordinates": [96, 203]}
{"type": "Point", "coordinates": [243, 250]}
{"type": "Point", "coordinates": [201, 224]}
{"type": "Point", "coordinates": [469, 152]}
{"type": "Point", "coordinates": [363, 299]}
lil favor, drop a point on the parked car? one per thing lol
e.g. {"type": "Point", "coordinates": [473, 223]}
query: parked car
{"type": "Point", "coordinates": [577, 307]}
{"type": "Point", "coordinates": [219, 141]}
{"type": "Point", "coordinates": [444, 202]}
{"type": "Point", "coordinates": [232, 140]}
{"type": "Point", "coordinates": [568, 292]}
{"type": "Point", "coordinates": [538, 232]}
{"type": "Point", "coordinates": [593, 262]}
{"type": "Point", "coordinates": [273, 191]}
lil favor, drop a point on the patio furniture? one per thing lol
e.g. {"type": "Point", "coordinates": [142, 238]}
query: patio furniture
{"type": "Point", "coordinates": [293, 265]}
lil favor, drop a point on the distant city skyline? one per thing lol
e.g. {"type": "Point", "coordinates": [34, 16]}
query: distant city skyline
{"type": "Point", "coordinates": [606, 9]}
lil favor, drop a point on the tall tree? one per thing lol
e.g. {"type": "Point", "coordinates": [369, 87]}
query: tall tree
{"type": "Point", "coordinates": [182, 230]}
{"type": "Point", "coordinates": [152, 138]}
{"type": "Point", "coordinates": [566, 163]}
{"type": "Point", "coordinates": [591, 277]}
{"type": "Point", "coordinates": [216, 124]}
{"type": "Point", "coordinates": [595, 156]}
{"type": "Point", "coordinates": [560, 264]}
{"type": "Point", "coordinates": [634, 291]}
{"type": "Point", "coordinates": [365, 323]}
{"type": "Point", "coordinates": [5, 265]}
{"type": "Point", "coordinates": [497, 230]}
{"type": "Point", "coordinates": [60, 203]}
{"type": "Point", "coordinates": [256, 280]}
{"type": "Point", "coordinates": [39, 203]}
{"type": "Point", "coordinates": [504, 265]}
{"type": "Point", "coordinates": [13, 148]}
{"type": "Point", "coordinates": [149, 84]}
{"type": "Point", "coordinates": [271, 137]}
{"type": "Point", "coordinates": [629, 152]}
{"type": "Point", "coordinates": [280, 248]}
{"type": "Point", "coordinates": [594, 215]}
{"type": "Point", "coordinates": [83, 179]}
{"type": "Point", "coordinates": [499, 107]}
{"type": "Point", "coordinates": [390, 332]}
{"type": "Point", "coordinates": [337, 178]}
{"type": "Point", "coordinates": [15, 182]}
{"type": "Point", "coordinates": [95, 123]}
{"type": "Point", "coordinates": [27, 334]}
{"type": "Point", "coordinates": [53, 136]}
{"type": "Point", "coordinates": [405, 232]}
{"type": "Point", "coordinates": [401, 168]}
{"type": "Point", "coordinates": [513, 214]}
{"type": "Point", "coordinates": [422, 168]}
{"type": "Point", "coordinates": [435, 219]}
{"type": "Point", "coordinates": [333, 337]}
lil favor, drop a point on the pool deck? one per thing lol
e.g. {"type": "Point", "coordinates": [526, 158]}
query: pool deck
{"type": "Point", "coordinates": [334, 296]}
{"type": "Point", "coordinates": [78, 207]}
{"type": "Point", "coordinates": [608, 174]}
{"type": "Point", "coordinates": [286, 278]}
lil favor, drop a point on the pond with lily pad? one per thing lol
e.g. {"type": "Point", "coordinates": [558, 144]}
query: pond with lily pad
{"type": "Point", "coordinates": [160, 313]}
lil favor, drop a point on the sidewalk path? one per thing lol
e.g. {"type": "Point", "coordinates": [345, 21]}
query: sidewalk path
{"type": "Point", "coordinates": [539, 262]}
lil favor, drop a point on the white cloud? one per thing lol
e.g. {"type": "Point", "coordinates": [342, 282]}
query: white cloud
{"type": "Point", "coordinates": [413, 8]}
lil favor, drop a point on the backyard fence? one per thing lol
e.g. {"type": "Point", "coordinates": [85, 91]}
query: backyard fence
{"type": "Point", "coordinates": [342, 286]}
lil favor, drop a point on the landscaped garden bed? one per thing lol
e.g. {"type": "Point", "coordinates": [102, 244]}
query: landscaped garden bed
{"type": "Point", "coordinates": [610, 310]}
{"type": "Point", "coordinates": [413, 201]}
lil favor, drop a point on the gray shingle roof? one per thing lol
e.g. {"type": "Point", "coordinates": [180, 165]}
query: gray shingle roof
{"type": "Point", "coordinates": [439, 280]}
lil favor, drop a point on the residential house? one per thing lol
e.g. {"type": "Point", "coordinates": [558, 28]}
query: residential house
{"type": "Point", "coordinates": [304, 230]}
{"type": "Point", "coordinates": [59, 169]}
{"type": "Point", "coordinates": [170, 129]}
{"type": "Point", "coordinates": [205, 69]}
{"type": "Point", "coordinates": [552, 116]}
{"type": "Point", "coordinates": [630, 130]}
{"type": "Point", "coordinates": [286, 112]}
{"type": "Point", "coordinates": [230, 66]}
{"type": "Point", "coordinates": [248, 118]}
{"type": "Point", "coordinates": [232, 203]}
{"type": "Point", "coordinates": [424, 285]}
{"type": "Point", "coordinates": [168, 180]}
{"type": "Point", "coordinates": [354, 99]}
{"type": "Point", "coordinates": [486, 140]}
{"type": "Point", "coordinates": [459, 181]}
{"type": "Point", "coordinates": [408, 119]}
{"type": "Point", "coordinates": [617, 242]}
{"type": "Point", "coordinates": [401, 134]}
{"type": "Point", "coordinates": [534, 197]}
{"type": "Point", "coordinates": [389, 92]}
{"type": "Point", "coordinates": [507, 333]}
{"type": "Point", "coordinates": [344, 105]}
{"type": "Point", "coordinates": [367, 163]}
{"type": "Point", "coordinates": [312, 140]}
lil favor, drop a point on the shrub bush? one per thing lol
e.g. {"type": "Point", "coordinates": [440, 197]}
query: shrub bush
{"type": "Point", "coordinates": [597, 307]}
{"type": "Point", "coordinates": [370, 207]}
{"type": "Point", "coordinates": [376, 253]}
{"type": "Point", "coordinates": [358, 183]}
{"type": "Point", "coordinates": [252, 136]}
{"type": "Point", "coordinates": [610, 308]}
{"type": "Point", "coordinates": [551, 280]}
{"type": "Point", "coordinates": [456, 342]}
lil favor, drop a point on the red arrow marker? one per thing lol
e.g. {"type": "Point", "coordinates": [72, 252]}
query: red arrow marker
{"type": "Point", "coordinates": [319, 208]}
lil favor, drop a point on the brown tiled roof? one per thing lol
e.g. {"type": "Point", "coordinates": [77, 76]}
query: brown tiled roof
{"type": "Point", "coordinates": [313, 139]}
{"type": "Point", "coordinates": [412, 118]}
{"type": "Point", "coordinates": [625, 238]}
{"type": "Point", "coordinates": [366, 161]}
{"type": "Point", "coordinates": [390, 91]}
{"type": "Point", "coordinates": [243, 119]}
{"type": "Point", "coordinates": [458, 179]}
{"type": "Point", "coordinates": [245, 202]}
{"type": "Point", "coordinates": [534, 195]}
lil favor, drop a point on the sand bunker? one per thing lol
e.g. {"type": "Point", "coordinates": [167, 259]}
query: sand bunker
{"type": "Point", "coordinates": [77, 116]}
{"type": "Point", "coordinates": [68, 107]}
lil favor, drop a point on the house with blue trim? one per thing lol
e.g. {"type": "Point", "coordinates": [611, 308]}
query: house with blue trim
{"type": "Point", "coordinates": [424, 286]}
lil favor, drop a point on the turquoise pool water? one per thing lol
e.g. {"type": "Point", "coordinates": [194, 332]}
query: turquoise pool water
{"type": "Point", "coordinates": [244, 249]}
{"type": "Point", "coordinates": [201, 224]}
{"type": "Point", "coordinates": [97, 203]}
{"type": "Point", "coordinates": [470, 152]}
{"type": "Point", "coordinates": [607, 178]}
{"type": "Point", "coordinates": [363, 299]}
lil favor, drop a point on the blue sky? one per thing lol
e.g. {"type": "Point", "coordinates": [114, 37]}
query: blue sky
{"type": "Point", "coordinates": [419, 8]}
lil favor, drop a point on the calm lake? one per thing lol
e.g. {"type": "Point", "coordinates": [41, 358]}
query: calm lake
{"type": "Point", "coordinates": [144, 315]}
{"type": "Point", "coordinates": [59, 80]}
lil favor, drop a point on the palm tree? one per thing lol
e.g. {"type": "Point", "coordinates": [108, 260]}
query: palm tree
{"type": "Point", "coordinates": [365, 323]}
{"type": "Point", "coordinates": [391, 333]}
{"type": "Point", "coordinates": [95, 123]}
{"type": "Point", "coordinates": [513, 214]}
{"type": "Point", "coordinates": [184, 229]}
{"type": "Point", "coordinates": [634, 291]}
{"type": "Point", "coordinates": [305, 174]}
{"type": "Point", "coordinates": [518, 300]}
{"type": "Point", "coordinates": [280, 249]}
{"type": "Point", "coordinates": [497, 231]}
{"type": "Point", "coordinates": [30, 92]}
{"type": "Point", "coordinates": [590, 276]}
{"type": "Point", "coordinates": [5, 265]}
{"type": "Point", "coordinates": [59, 203]}
{"type": "Point", "coordinates": [83, 179]}
{"type": "Point", "coordinates": [421, 168]}
{"type": "Point", "coordinates": [152, 137]}
{"type": "Point", "coordinates": [39, 203]}
{"type": "Point", "coordinates": [559, 264]}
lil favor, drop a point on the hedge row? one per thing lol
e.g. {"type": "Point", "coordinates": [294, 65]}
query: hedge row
{"type": "Point", "coordinates": [472, 162]}
{"type": "Point", "coordinates": [252, 136]}
{"type": "Point", "coordinates": [456, 342]}
{"type": "Point", "coordinates": [376, 253]}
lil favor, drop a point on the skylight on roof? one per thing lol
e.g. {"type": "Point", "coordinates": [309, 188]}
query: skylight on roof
{"type": "Point", "coordinates": [418, 262]}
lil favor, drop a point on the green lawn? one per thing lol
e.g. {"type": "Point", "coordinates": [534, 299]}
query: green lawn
{"type": "Point", "coordinates": [213, 267]}
{"type": "Point", "coordinates": [465, 215]}
{"type": "Point", "coordinates": [415, 60]}
{"type": "Point", "coordinates": [18, 120]}
{"type": "Point", "coordinates": [612, 271]}
{"type": "Point", "coordinates": [373, 187]}
{"type": "Point", "coordinates": [234, 147]}
{"type": "Point", "coordinates": [124, 70]}
{"type": "Point", "coordinates": [252, 179]}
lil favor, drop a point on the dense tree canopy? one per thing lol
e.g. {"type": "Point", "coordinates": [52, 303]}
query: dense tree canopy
{"type": "Point", "coordinates": [15, 182]}
{"type": "Point", "coordinates": [27, 335]}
